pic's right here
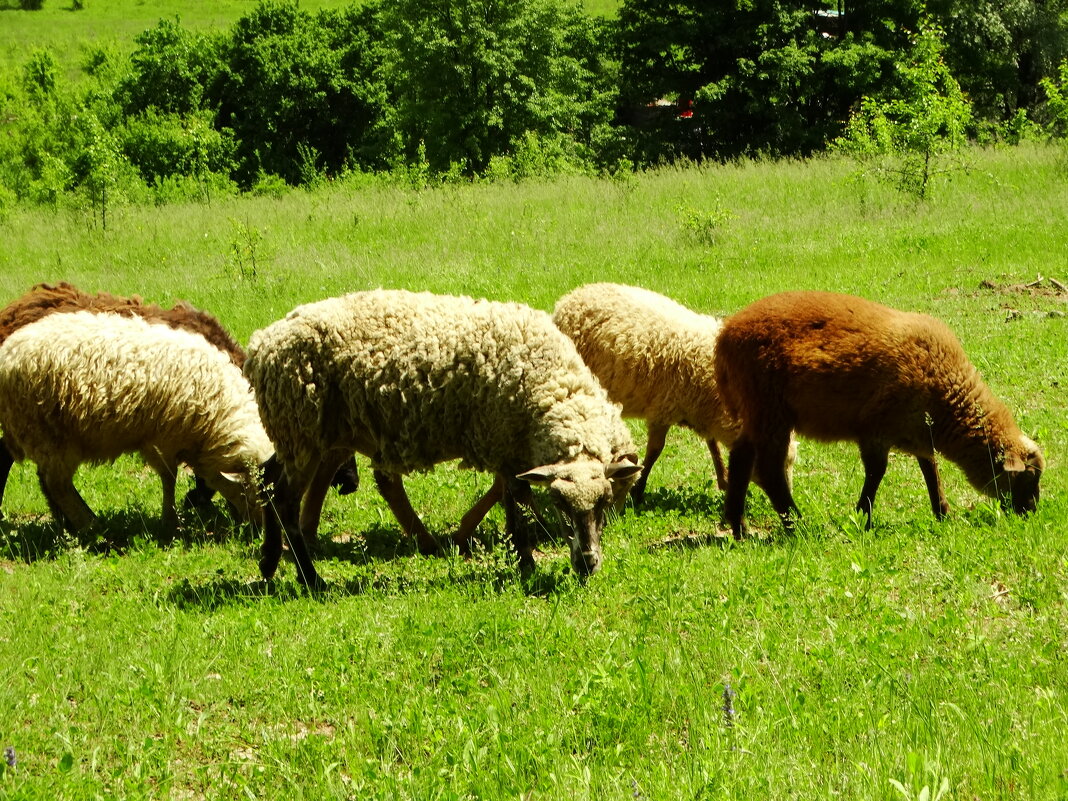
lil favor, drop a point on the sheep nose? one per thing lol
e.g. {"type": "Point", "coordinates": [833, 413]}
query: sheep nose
{"type": "Point", "coordinates": [586, 563]}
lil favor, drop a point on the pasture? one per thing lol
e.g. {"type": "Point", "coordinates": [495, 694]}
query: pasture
{"type": "Point", "coordinates": [915, 660]}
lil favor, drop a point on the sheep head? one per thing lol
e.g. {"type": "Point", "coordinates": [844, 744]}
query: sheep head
{"type": "Point", "coordinates": [583, 492]}
{"type": "Point", "coordinates": [1017, 486]}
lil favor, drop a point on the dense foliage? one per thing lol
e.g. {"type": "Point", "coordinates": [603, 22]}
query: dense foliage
{"type": "Point", "coordinates": [510, 89]}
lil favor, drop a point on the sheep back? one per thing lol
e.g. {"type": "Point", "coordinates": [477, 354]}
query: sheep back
{"type": "Point", "coordinates": [86, 386]}
{"type": "Point", "coordinates": [45, 299]}
{"type": "Point", "coordinates": [654, 356]}
{"type": "Point", "coordinates": [414, 379]}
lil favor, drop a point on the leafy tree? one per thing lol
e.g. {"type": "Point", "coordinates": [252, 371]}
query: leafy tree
{"type": "Point", "coordinates": [474, 79]}
{"type": "Point", "coordinates": [295, 87]}
{"type": "Point", "coordinates": [1057, 101]}
{"type": "Point", "coordinates": [1001, 50]}
{"type": "Point", "coordinates": [170, 70]}
{"type": "Point", "coordinates": [904, 134]}
{"type": "Point", "coordinates": [761, 74]}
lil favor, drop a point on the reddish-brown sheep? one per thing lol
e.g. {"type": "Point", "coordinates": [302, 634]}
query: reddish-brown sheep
{"type": "Point", "coordinates": [836, 367]}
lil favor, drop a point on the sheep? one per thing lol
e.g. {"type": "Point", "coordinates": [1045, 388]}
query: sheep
{"type": "Point", "coordinates": [835, 367]}
{"type": "Point", "coordinates": [86, 387]}
{"type": "Point", "coordinates": [653, 356]}
{"type": "Point", "coordinates": [414, 379]}
{"type": "Point", "coordinates": [44, 299]}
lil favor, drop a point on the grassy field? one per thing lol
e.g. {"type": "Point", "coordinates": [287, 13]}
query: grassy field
{"type": "Point", "coordinates": [910, 661]}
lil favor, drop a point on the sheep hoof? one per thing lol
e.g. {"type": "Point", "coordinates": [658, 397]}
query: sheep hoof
{"type": "Point", "coordinates": [268, 566]}
{"type": "Point", "coordinates": [316, 584]}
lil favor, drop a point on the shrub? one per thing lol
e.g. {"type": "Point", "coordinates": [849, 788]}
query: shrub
{"type": "Point", "coordinates": [904, 135]}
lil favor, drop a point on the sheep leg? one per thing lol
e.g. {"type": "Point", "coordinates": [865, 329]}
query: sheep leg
{"type": "Point", "coordinates": [516, 526]}
{"type": "Point", "coordinates": [169, 516]}
{"type": "Point", "coordinates": [939, 504]}
{"type": "Point", "coordinates": [874, 458]}
{"type": "Point", "coordinates": [739, 471]}
{"type": "Point", "coordinates": [67, 506]}
{"type": "Point", "coordinates": [770, 465]}
{"type": "Point", "coordinates": [311, 508]}
{"type": "Point", "coordinates": [200, 496]}
{"type": "Point", "coordinates": [653, 448]}
{"type": "Point", "coordinates": [717, 461]}
{"type": "Point", "coordinates": [281, 518]}
{"type": "Point", "coordinates": [495, 494]}
{"type": "Point", "coordinates": [473, 516]}
{"type": "Point", "coordinates": [347, 478]}
{"type": "Point", "coordinates": [391, 488]}
{"type": "Point", "coordinates": [6, 460]}
{"type": "Point", "coordinates": [167, 469]}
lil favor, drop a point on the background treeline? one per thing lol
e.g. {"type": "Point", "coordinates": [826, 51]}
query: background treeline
{"type": "Point", "coordinates": [505, 88]}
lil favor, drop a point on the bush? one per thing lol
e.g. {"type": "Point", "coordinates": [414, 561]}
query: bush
{"type": "Point", "coordinates": [902, 135]}
{"type": "Point", "coordinates": [163, 145]}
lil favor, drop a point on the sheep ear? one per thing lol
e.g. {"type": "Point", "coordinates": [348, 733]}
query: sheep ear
{"type": "Point", "coordinates": [618, 470]}
{"type": "Point", "coordinates": [1013, 463]}
{"type": "Point", "coordinates": [539, 476]}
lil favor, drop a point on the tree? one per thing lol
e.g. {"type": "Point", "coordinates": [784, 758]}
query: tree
{"type": "Point", "coordinates": [1001, 51]}
{"type": "Point", "coordinates": [903, 134]}
{"type": "Point", "coordinates": [761, 74]}
{"type": "Point", "coordinates": [474, 77]}
{"type": "Point", "coordinates": [302, 93]}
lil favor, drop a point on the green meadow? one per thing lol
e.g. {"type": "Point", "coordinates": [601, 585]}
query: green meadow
{"type": "Point", "coordinates": [918, 660]}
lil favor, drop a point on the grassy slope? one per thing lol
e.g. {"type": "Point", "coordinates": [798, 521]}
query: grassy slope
{"type": "Point", "coordinates": [915, 653]}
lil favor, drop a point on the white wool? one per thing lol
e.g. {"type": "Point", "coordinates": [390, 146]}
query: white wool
{"type": "Point", "coordinates": [87, 387]}
{"type": "Point", "coordinates": [414, 379]}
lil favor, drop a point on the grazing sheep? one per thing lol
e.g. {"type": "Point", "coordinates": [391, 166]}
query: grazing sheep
{"type": "Point", "coordinates": [87, 387]}
{"type": "Point", "coordinates": [654, 357]}
{"type": "Point", "coordinates": [835, 367]}
{"type": "Point", "coordinates": [411, 380]}
{"type": "Point", "coordinates": [45, 299]}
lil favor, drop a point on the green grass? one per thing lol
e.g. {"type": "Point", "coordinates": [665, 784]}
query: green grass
{"type": "Point", "coordinates": [917, 653]}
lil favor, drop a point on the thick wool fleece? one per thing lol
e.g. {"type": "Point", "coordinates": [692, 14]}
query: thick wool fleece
{"type": "Point", "coordinates": [836, 367]}
{"type": "Point", "coordinates": [653, 355]}
{"type": "Point", "coordinates": [45, 299]}
{"type": "Point", "coordinates": [413, 379]}
{"type": "Point", "coordinates": [87, 387]}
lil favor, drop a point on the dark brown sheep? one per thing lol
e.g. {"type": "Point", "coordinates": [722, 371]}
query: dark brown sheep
{"type": "Point", "coordinates": [836, 367]}
{"type": "Point", "coordinates": [44, 299]}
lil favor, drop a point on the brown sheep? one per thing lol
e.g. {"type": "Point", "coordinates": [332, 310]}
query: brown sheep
{"type": "Point", "coordinates": [835, 367]}
{"type": "Point", "coordinates": [44, 299]}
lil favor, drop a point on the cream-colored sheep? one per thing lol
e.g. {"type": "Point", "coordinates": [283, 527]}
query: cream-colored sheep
{"type": "Point", "coordinates": [836, 367]}
{"type": "Point", "coordinates": [87, 387]}
{"type": "Point", "coordinates": [655, 358]}
{"type": "Point", "coordinates": [411, 380]}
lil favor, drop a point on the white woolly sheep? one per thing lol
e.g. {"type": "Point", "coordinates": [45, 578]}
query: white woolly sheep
{"type": "Point", "coordinates": [87, 387]}
{"type": "Point", "coordinates": [411, 380]}
{"type": "Point", "coordinates": [655, 358]}
{"type": "Point", "coordinates": [836, 367]}
{"type": "Point", "coordinates": [45, 299]}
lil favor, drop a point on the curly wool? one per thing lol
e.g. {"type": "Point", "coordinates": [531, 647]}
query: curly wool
{"type": "Point", "coordinates": [836, 367]}
{"type": "Point", "coordinates": [653, 355]}
{"type": "Point", "coordinates": [45, 299]}
{"type": "Point", "coordinates": [87, 387]}
{"type": "Point", "coordinates": [414, 379]}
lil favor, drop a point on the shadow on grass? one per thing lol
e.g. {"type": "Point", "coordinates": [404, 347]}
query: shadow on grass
{"type": "Point", "coordinates": [482, 577]}
{"type": "Point", "coordinates": [707, 502]}
{"type": "Point", "coordinates": [32, 539]}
